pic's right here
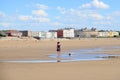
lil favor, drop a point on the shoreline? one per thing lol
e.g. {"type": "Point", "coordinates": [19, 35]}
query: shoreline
{"type": "Point", "coordinates": [76, 55]}
{"type": "Point", "coordinates": [80, 70]}
{"type": "Point", "coordinates": [40, 49]}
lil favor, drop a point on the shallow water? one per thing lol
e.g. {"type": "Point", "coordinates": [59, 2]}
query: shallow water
{"type": "Point", "coordinates": [83, 56]}
{"type": "Point", "coordinates": [76, 55]}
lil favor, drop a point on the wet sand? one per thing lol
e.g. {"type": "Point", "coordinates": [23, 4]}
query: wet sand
{"type": "Point", "coordinates": [81, 70]}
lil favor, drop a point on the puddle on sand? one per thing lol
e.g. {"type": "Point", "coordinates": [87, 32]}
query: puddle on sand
{"type": "Point", "coordinates": [76, 55]}
{"type": "Point", "coordinates": [82, 57]}
{"type": "Point", "coordinates": [66, 58]}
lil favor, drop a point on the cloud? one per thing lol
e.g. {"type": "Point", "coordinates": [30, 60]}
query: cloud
{"type": "Point", "coordinates": [95, 4]}
{"type": "Point", "coordinates": [100, 4]}
{"type": "Point", "coordinates": [76, 14]}
{"type": "Point", "coordinates": [87, 5]}
{"type": "Point", "coordinates": [2, 14]}
{"type": "Point", "coordinates": [25, 18]}
{"type": "Point", "coordinates": [87, 16]}
{"type": "Point", "coordinates": [39, 13]}
{"type": "Point", "coordinates": [42, 6]}
{"type": "Point", "coordinates": [57, 17]}
{"type": "Point", "coordinates": [86, 12]}
{"type": "Point", "coordinates": [56, 24]}
{"type": "Point", "coordinates": [42, 19]}
{"type": "Point", "coordinates": [96, 16]}
{"type": "Point", "coordinates": [33, 19]}
{"type": "Point", "coordinates": [5, 24]}
{"type": "Point", "coordinates": [116, 13]}
{"type": "Point", "coordinates": [61, 9]}
{"type": "Point", "coordinates": [103, 23]}
{"type": "Point", "coordinates": [109, 17]}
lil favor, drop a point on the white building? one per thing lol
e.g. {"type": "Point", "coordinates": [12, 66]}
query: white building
{"type": "Point", "coordinates": [34, 34]}
{"type": "Point", "coordinates": [103, 34]}
{"type": "Point", "coordinates": [68, 33]}
{"type": "Point", "coordinates": [42, 35]}
{"type": "Point", "coordinates": [51, 35]}
{"type": "Point", "coordinates": [108, 34]}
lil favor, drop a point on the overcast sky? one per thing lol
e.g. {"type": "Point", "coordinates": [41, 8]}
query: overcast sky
{"type": "Point", "coordinates": [43, 15]}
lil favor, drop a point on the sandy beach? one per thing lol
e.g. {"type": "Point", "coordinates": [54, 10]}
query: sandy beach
{"type": "Point", "coordinates": [80, 70]}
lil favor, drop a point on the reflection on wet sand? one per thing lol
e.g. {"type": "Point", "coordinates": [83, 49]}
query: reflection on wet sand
{"type": "Point", "coordinates": [76, 55]}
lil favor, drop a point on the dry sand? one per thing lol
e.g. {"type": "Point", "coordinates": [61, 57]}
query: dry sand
{"type": "Point", "coordinates": [81, 70]}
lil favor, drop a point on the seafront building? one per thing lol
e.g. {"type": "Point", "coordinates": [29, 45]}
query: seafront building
{"type": "Point", "coordinates": [108, 34]}
{"type": "Point", "coordinates": [12, 33]}
{"type": "Point", "coordinates": [61, 33]}
{"type": "Point", "coordinates": [66, 33]}
{"type": "Point", "coordinates": [26, 33]}
{"type": "Point", "coordinates": [86, 33]}
{"type": "Point", "coordinates": [40, 34]}
{"type": "Point", "coordinates": [51, 35]}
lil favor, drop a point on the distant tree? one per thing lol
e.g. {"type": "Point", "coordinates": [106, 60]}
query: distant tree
{"type": "Point", "coordinates": [101, 30]}
{"type": "Point", "coordinates": [93, 29]}
{"type": "Point", "coordinates": [2, 35]}
{"type": "Point", "coordinates": [118, 32]}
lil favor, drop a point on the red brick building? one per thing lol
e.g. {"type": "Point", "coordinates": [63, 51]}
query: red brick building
{"type": "Point", "coordinates": [13, 33]}
{"type": "Point", "coordinates": [60, 33]}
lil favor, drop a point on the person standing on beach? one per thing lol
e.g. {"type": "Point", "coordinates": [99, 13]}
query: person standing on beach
{"type": "Point", "coordinates": [58, 51]}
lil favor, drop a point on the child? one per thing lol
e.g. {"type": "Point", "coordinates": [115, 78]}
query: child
{"type": "Point", "coordinates": [58, 51]}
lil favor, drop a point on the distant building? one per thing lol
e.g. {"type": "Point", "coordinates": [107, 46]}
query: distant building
{"type": "Point", "coordinates": [35, 34]}
{"type": "Point", "coordinates": [3, 34]}
{"type": "Point", "coordinates": [113, 34]}
{"type": "Point", "coordinates": [108, 34]}
{"type": "Point", "coordinates": [13, 33]}
{"type": "Point", "coordinates": [40, 34]}
{"type": "Point", "coordinates": [103, 34]}
{"type": "Point", "coordinates": [60, 33]}
{"type": "Point", "coordinates": [26, 33]}
{"type": "Point", "coordinates": [66, 33]}
{"type": "Point", "coordinates": [89, 34]}
{"type": "Point", "coordinates": [84, 32]}
{"type": "Point", "coordinates": [51, 35]}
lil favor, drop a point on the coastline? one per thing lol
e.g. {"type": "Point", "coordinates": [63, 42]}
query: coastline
{"type": "Point", "coordinates": [80, 70]}
{"type": "Point", "coordinates": [32, 49]}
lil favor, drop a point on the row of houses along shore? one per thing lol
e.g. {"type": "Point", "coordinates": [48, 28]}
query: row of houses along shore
{"type": "Point", "coordinates": [69, 33]}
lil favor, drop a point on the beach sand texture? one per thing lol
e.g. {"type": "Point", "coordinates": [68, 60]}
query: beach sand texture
{"type": "Point", "coordinates": [80, 70]}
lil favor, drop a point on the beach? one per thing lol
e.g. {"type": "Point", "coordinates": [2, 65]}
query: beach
{"type": "Point", "coordinates": [79, 70]}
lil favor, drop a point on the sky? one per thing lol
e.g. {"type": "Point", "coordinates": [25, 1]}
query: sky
{"type": "Point", "coordinates": [44, 15]}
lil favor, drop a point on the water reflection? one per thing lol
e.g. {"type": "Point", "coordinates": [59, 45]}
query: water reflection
{"type": "Point", "coordinates": [82, 56]}
{"type": "Point", "coordinates": [76, 55]}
